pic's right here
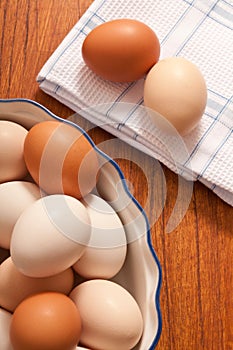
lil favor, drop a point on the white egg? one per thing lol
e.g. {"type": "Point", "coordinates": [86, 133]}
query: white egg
{"type": "Point", "coordinates": [5, 321]}
{"type": "Point", "coordinates": [12, 165]}
{"type": "Point", "coordinates": [111, 318]}
{"type": "Point", "coordinates": [106, 251]}
{"type": "Point", "coordinates": [15, 196]}
{"type": "Point", "coordinates": [50, 236]}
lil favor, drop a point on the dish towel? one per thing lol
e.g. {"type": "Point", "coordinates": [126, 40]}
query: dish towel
{"type": "Point", "coordinates": [198, 30]}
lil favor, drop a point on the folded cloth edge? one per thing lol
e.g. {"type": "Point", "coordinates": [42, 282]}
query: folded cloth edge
{"type": "Point", "coordinates": [226, 196]}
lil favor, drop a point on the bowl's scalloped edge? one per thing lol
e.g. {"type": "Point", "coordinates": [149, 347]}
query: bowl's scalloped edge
{"type": "Point", "coordinates": [118, 169]}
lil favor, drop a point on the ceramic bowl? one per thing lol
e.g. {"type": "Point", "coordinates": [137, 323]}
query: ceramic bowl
{"type": "Point", "coordinates": [141, 272]}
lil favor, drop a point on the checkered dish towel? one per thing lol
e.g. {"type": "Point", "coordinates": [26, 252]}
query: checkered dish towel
{"type": "Point", "coordinates": [199, 30]}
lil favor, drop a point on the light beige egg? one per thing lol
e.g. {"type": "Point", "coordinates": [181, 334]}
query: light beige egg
{"type": "Point", "coordinates": [176, 90]}
{"type": "Point", "coordinates": [15, 287]}
{"type": "Point", "coordinates": [5, 321]}
{"type": "Point", "coordinates": [106, 250]}
{"type": "Point", "coordinates": [50, 235]}
{"type": "Point", "coordinates": [12, 165]}
{"type": "Point", "coordinates": [15, 196]}
{"type": "Point", "coordinates": [111, 318]}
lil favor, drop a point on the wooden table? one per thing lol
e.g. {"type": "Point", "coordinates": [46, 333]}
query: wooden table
{"type": "Point", "coordinates": [196, 257]}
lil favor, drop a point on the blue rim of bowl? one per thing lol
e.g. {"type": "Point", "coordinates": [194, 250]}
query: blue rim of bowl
{"type": "Point", "coordinates": [116, 166]}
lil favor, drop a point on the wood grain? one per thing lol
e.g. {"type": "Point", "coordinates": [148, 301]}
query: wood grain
{"type": "Point", "coordinates": [196, 257]}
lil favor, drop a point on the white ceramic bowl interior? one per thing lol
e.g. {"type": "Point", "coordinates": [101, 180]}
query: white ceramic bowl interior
{"type": "Point", "coordinates": [141, 273]}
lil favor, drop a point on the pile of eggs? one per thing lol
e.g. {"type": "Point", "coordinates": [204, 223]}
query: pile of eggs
{"type": "Point", "coordinates": [65, 243]}
{"type": "Point", "coordinates": [125, 50]}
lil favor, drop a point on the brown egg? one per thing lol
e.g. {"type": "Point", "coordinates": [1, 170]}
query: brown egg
{"type": "Point", "coordinates": [15, 287]}
{"type": "Point", "coordinates": [121, 50]}
{"type": "Point", "coordinates": [48, 321]}
{"type": "Point", "coordinates": [175, 88]}
{"type": "Point", "coordinates": [60, 159]}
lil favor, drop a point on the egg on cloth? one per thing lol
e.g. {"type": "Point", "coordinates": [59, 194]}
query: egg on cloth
{"type": "Point", "coordinates": [15, 287]}
{"type": "Point", "coordinates": [15, 196]}
{"type": "Point", "coordinates": [176, 91]}
{"type": "Point", "coordinates": [106, 250]}
{"type": "Point", "coordinates": [50, 235]}
{"type": "Point", "coordinates": [12, 165]}
{"type": "Point", "coordinates": [121, 50]}
{"type": "Point", "coordinates": [60, 159]}
{"type": "Point", "coordinates": [45, 321]}
{"type": "Point", "coordinates": [111, 318]}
